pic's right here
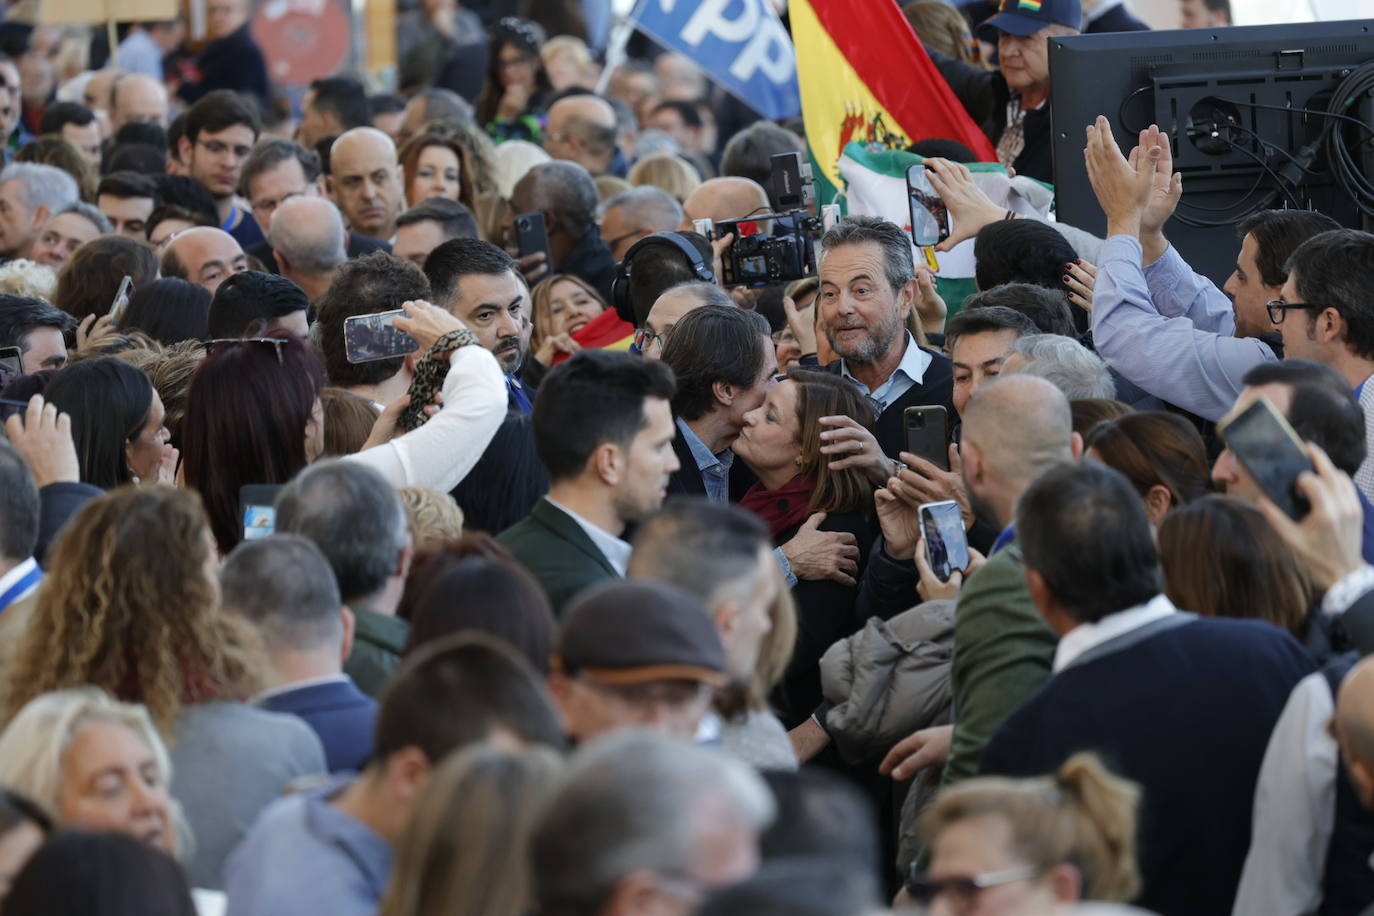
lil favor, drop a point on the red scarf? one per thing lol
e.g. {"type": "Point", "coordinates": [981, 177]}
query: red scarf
{"type": "Point", "coordinates": [781, 508]}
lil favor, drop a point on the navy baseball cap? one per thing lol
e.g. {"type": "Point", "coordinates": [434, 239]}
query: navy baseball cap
{"type": "Point", "coordinates": [1026, 17]}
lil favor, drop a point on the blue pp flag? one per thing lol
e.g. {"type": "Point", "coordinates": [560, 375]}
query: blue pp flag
{"type": "Point", "coordinates": [741, 44]}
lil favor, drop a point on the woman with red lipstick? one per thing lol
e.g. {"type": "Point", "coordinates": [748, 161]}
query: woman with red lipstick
{"type": "Point", "coordinates": [781, 444]}
{"type": "Point", "coordinates": [561, 306]}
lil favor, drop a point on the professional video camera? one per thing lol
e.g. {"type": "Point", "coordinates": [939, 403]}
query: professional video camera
{"type": "Point", "coordinates": [756, 258]}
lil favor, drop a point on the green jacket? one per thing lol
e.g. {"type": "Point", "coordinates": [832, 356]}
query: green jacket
{"type": "Point", "coordinates": [378, 640]}
{"type": "Point", "coordinates": [1003, 651]}
{"type": "Point", "coordinates": [555, 549]}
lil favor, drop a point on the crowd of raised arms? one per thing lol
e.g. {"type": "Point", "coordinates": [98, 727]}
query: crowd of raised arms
{"type": "Point", "coordinates": [581, 583]}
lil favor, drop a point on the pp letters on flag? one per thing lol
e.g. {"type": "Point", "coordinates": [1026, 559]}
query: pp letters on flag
{"type": "Point", "coordinates": [741, 44]}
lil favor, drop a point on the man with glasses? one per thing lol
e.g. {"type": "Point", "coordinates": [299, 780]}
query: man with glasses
{"type": "Point", "coordinates": [581, 129]}
{"type": "Point", "coordinates": [1162, 326]}
{"type": "Point", "coordinates": [672, 307]}
{"type": "Point", "coordinates": [220, 132]}
{"type": "Point", "coordinates": [638, 212]}
{"type": "Point", "coordinates": [1324, 314]}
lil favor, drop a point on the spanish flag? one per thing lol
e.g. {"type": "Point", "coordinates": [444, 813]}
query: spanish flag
{"type": "Point", "coordinates": [865, 76]}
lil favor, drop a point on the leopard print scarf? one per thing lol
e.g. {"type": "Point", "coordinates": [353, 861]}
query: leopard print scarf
{"type": "Point", "coordinates": [428, 379]}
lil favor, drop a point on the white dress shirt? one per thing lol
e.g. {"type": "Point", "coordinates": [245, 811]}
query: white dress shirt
{"type": "Point", "coordinates": [1087, 636]}
{"type": "Point", "coordinates": [1295, 808]}
{"type": "Point", "coordinates": [615, 550]}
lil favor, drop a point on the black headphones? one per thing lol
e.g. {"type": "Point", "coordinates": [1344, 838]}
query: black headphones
{"type": "Point", "coordinates": [620, 284]}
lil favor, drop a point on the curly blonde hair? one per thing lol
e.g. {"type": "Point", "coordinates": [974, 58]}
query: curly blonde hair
{"type": "Point", "coordinates": [129, 606]}
{"type": "Point", "coordinates": [434, 519]}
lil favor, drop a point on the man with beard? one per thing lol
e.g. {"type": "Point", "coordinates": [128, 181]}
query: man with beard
{"type": "Point", "coordinates": [604, 430]}
{"type": "Point", "coordinates": [479, 283]}
{"type": "Point", "coordinates": [867, 290]}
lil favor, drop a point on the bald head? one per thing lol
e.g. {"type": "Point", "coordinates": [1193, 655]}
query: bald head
{"type": "Point", "coordinates": [581, 129]}
{"type": "Point", "coordinates": [724, 198]}
{"type": "Point", "coordinates": [365, 179]}
{"type": "Point", "coordinates": [96, 94]}
{"type": "Point", "coordinates": [562, 190]}
{"type": "Point", "coordinates": [1020, 425]}
{"type": "Point", "coordinates": [1355, 728]}
{"type": "Point", "coordinates": [203, 255]}
{"type": "Point", "coordinates": [307, 234]}
{"type": "Point", "coordinates": [138, 97]}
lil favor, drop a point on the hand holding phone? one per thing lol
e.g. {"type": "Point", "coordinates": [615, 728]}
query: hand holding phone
{"type": "Point", "coordinates": [121, 298]}
{"type": "Point", "coordinates": [942, 529]}
{"type": "Point", "coordinates": [927, 434]}
{"type": "Point", "coordinates": [1261, 439]}
{"type": "Point", "coordinates": [929, 215]}
{"type": "Point", "coordinates": [370, 337]}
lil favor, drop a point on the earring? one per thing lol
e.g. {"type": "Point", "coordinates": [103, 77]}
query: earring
{"type": "Point", "coordinates": [799, 461]}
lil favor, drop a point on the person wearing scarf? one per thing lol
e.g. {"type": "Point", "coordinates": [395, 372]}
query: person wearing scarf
{"type": "Point", "coordinates": [781, 444]}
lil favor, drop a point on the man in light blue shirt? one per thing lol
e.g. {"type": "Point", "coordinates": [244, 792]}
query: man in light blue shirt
{"type": "Point", "coordinates": [1162, 326]}
{"type": "Point", "coordinates": [147, 44]}
{"type": "Point", "coordinates": [330, 850]}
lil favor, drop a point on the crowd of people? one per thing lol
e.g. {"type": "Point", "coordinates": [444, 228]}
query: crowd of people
{"type": "Point", "coordinates": [592, 585]}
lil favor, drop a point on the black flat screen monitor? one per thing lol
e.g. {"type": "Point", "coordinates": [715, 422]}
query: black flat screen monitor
{"type": "Point", "coordinates": [1228, 100]}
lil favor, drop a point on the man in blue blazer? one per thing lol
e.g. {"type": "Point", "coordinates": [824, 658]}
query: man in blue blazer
{"type": "Point", "coordinates": [284, 586]}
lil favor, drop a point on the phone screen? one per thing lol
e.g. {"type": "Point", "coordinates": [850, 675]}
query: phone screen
{"type": "Point", "coordinates": [11, 364]}
{"type": "Point", "coordinates": [259, 511]}
{"type": "Point", "coordinates": [929, 215]}
{"type": "Point", "coordinates": [942, 525]}
{"type": "Point", "coordinates": [1270, 451]}
{"type": "Point", "coordinates": [369, 337]}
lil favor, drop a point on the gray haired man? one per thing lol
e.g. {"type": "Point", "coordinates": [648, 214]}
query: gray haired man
{"type": "Point", "coordinates": [29, 196]}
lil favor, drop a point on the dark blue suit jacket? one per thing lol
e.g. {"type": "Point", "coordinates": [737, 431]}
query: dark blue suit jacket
{"type": "Point", "coordinates": [340, 713]}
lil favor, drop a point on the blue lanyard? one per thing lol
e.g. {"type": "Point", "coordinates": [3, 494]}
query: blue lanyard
{"type": "Point", "coordinates": [29, 580]}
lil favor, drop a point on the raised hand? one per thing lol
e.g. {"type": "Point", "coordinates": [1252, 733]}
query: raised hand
{"type": "Point", "coordinates": [1123, 188]}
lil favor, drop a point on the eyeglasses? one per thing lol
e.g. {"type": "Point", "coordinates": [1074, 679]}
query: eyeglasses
{"type": "Point", "coordinates": [276, 343]}
{"type": "Point", "coordinates": [963, 892]}
{"type": "Point", "coordinates": [645, 336]}
{"type": "Point", "coordinates": [633, 233]}
{"type": "Point", "coordinates": [1277, 308]}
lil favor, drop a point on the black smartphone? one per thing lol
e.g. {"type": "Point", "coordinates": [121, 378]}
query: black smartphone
{"type": "Point", "coordinates": [927, 433]}
{"type": "Point", "coordinates": [942, 525]}
{"type": "Point", "coordinates": [532, 235]}
{"type": "Point", "coordinates": [259, 512]}
{"type": "Point", "coordinates": [11, 364]}
{"type": "Point", "coordinates": [929, 215]}
{"type": "Point", "coordinates": [1265, 445]}
{"type": "Point", "coordinates": [369, 337]}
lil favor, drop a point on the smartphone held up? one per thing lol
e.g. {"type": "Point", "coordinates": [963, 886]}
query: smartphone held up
{"type": "Point", "coordinates": [369, 337]}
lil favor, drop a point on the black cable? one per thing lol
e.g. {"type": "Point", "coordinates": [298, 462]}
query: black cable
{"type": "Point", "coordinates": [1348, 174]}
{"type": "Point", "coordinates": [1283, 187]}
{"type": "Point", "coordinates": [1268, 147]}
{"type": "Point", "coordinates": [1307, 111]}
{"type": "Point", "coordinates": [1282, 190]}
